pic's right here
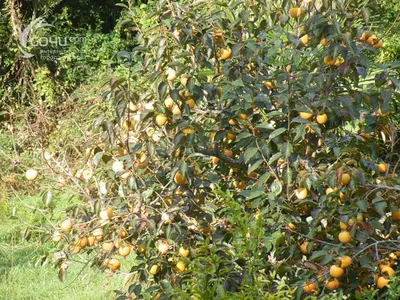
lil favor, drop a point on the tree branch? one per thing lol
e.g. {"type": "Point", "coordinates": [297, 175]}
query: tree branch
{"type": "Point", "coordinates": [221, 156]}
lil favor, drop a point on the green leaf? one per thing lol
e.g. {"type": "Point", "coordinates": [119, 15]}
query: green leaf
{"type": "Point", "coordinates": [219, 136]}
{"type": "Point", "coordinates": [346, 101]}
{"type": "Point", "coordinates": [361, 236]}
{"type": "Point", "coordinates": [287, 175]}
{"type": "Point", "coordinates": [381, 78]}
{"type": "Point", "coordinates": [318, 254]}
{"type": "Point", "coordinates": [249, 195]}
{"type": "Point", "coordinates": [132, 184]}
{"type": "Point", "coordinates": [116, 82]}
{"type": "Point", "coordinates": [47, 198]}
{"type": "Point", "coordinates": [263, 178]}
{"type": "Point", "coordinates": [121, 191]}
{"type": "Point", "coordinates": [147, 193]}
{"type": "Point", "coordinates": [293, 39]}
{"type": "Point", "coordinates": [300, 132]}
{"type": "Point", "coordinates": [255, 166]}
{"type": "Point", "coordinates": [377, 199]}
{"type": "Point", "coordinates": [151, 149]}
{"type": "Point", "coordinates": [377, 225]}
{"type": "Point", "coordinates": [395, 65]}
{"type": "Point", "coordinates": [135, 288]}
{"type": "Point", "coordinates": [386, 95]}
{"type": "Point", "coordinates": [97, 158]}
{"type": "Point", "coordinates": [252, 45]}
{"type": "Point", "coordinates": [244, 14]}
{"type": "Point", "coordinates": [122, 5]}
{"type": "Point", "coordinates": [380, 207]}
{"type": "Point", "coordinates": [266, 126]}
{"type": "Point", "coordinates": [274, 113]}
{"type": "Point", "coordinates": [140, 48]}
{"type": "Point", "coordinates": [363, 205]}
{"type": "Point", "coordinates": [249, 154]}
{"type": "Point", "coordinates": [326, 259]}
{"type": "Point", "coordinates": [229, 15]}
{"type": "Point", "coordinates": [162, 90]}
{"type": "Point", "coordinates": [286, 150]}
{"type": "Point", "coordinates": [300, 120]}
{"type": "Point", "coordinates": [154, 76]}
{"type": "Point", "coordinates": [274, 158]}
{"type": "Point", "coordinates": [276, 187]}
{"type": "Point", "coordinates": [134, 148]}
{"type": "Point", "coordinates": [121, 107]}
{"type": "Point", "coordinates": [365, 262]}
{"type": "Point", "coordinates": [276, 133]}
{"type": "Point", "coordinates": [161, 48]}
{"type": "Point", "coordinates": [166, 285]}
{"type": "Point", "coordinates": [362, 72]}
{"type": "Point", "coordinates": [183, 168]}
{"type": "Point", "coordinates": [125, 54]}
{"type": "Point", "coordinates": [252, 194]}
{"type": "Point", "coordinates": [393, 207]}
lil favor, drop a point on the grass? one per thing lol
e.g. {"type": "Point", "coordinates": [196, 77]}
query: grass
{"type": "Point", "coordinates": [21, 279]}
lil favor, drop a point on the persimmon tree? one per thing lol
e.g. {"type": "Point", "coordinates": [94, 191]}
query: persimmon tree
{"type": "Point", "coordinates": [251, 153]}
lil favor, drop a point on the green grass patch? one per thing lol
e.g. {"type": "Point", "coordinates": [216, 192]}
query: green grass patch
{"type": "Point", "coordinates": [19, 252]}
{"type": "Point", "coordinates": [24, 281]}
